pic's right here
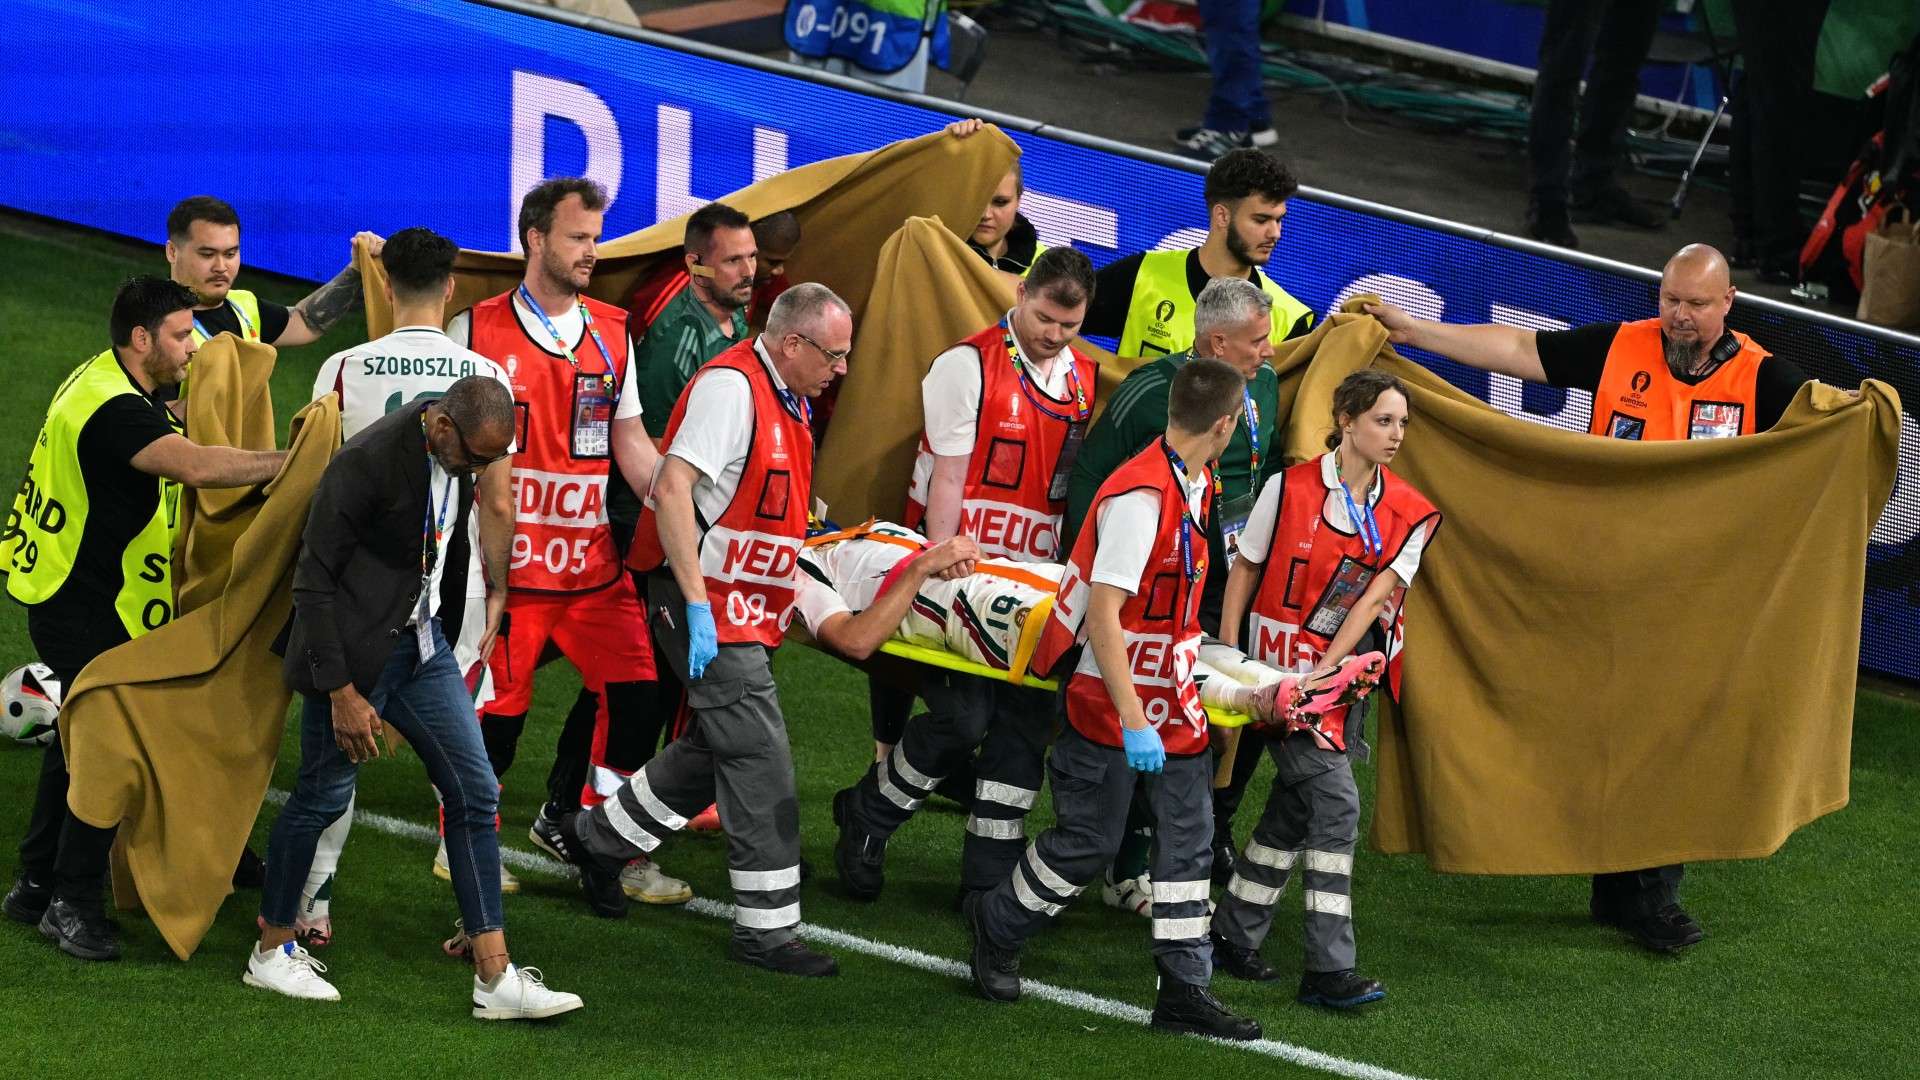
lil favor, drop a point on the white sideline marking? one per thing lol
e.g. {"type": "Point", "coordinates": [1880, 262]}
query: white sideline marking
{"type": "Point", "coordinates": [1030, 988]}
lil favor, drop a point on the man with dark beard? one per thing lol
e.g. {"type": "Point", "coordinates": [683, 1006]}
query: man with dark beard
{"type": "Point", "coordinates": [1147, 300]}
{"type": "Point", "coordinates": [1682, 375]}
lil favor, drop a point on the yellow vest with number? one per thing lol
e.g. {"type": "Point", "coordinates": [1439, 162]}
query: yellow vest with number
{"type": "Point", "coordinates": [246, 305]}
{"type": "Point", "coordinates": [49, 514]}
{"type": "Point", "coordinates": [1160, 321]}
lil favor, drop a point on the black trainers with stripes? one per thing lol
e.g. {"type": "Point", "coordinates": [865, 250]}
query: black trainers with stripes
{"type": "Point", "coordinates": [1339, 989]}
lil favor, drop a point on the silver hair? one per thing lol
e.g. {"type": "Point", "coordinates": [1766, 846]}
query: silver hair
{"type": "Point", "coordinates": [1227, 303]}
{"type": "Point", "coordinates": [801, 308]}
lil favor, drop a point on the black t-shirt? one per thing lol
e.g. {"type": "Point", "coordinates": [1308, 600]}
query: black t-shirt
{"type": "Point", "coordinates": [1023, 246]}
{"type": "Point", "coordinates": [1573, 359]}
{"type": "Point", "coordinates": [78, 622]}
{"type": "Point", "coordinates": [1113, 295]}
{"type": "Point", "coordinates": [224, 319]}
{"type": "Point", "coordinates": [273, 320]}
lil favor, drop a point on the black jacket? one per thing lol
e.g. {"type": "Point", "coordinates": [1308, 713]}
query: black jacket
{"type": "Point", "coordinates": [358, 578]}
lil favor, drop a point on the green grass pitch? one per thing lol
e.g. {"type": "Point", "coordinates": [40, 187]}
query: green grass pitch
{"type": "Point", "coordinates": [1809, 968]}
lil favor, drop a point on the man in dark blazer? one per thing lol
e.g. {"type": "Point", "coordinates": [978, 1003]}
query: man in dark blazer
{"type": "Point", "coordinates": [384, 555]}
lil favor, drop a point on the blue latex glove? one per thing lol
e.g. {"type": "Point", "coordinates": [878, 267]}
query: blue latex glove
{"type": "Point", "coordinates": [1145, 753]}
{"type": "Point", "coordinates": [703, 644]}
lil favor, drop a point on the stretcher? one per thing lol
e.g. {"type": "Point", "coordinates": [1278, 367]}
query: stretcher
{"type": "Point", "coordinates": [914, 652]}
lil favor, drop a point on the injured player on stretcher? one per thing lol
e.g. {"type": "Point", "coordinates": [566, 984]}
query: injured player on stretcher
{"type": "Point", "coordinates": [863, 585]}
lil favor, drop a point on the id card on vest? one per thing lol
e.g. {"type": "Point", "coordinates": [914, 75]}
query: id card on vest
{"type": "Point", "coordinates": [1349, 582]}
{"type": "Point", "coordinates": [592, 417]}
{"type": "Point", "coordinates": [1234, 513]}
{"type": "Point", "coordinates": [1715, 420]}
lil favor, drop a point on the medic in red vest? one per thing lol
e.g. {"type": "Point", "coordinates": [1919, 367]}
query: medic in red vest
{"type": "Point", "coordinates": [567, 356]}
{"type": "Point", "coordinates": [750, 553]}
{"type": "Point", "coordinates": [1335, 544]}
{"type": "Point", "coordinates": [1006, 411]}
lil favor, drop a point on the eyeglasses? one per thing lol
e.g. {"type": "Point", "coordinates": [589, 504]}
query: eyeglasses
{"type": "Point", "coordinates": [475, 463]}
{"type": "Point", "coordinates": [840, 357]}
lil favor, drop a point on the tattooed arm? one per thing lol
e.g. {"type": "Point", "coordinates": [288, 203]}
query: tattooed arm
{"type": "Point", "coordinates": [310, 319]}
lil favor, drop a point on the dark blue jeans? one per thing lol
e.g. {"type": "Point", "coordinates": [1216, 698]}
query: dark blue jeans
{"type": "Point", "coordinates": [428, 704]}
{"type": "Point", "coordinates": [1239, 99]}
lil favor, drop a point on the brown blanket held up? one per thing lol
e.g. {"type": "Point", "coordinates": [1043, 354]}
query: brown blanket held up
{"type": "Point", "coordinates": [847, 206]}
{"type": "Point", "coordinates": [1619, 654]}
{"type": "Point", "coordinates": [173, 735]}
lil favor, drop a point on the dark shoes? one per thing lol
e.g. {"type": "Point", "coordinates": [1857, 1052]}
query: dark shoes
{"type": "Point", "coordinates": [792, 958]}
{"type": "Point", "coordinates": [1241, 963]}
{"type": "Point", "coordinates": [1549, 224]}
{"type": "Point", "coordinates": [27, 901]}
{"type": "Point", "coordinates": [1186, 1008]}
{"type": "Point", "coordinates": [599, 878]}
{"type": "Point", "coordinates": [80, 931]}
{"type": "Point", "coordinates": [250, 872]}
{"type": "Point", "coordinates": [860, 858]}
{"type": "Point", "coordinates": [996, 971]}
{"type": "Point", "coordinates": [1338, 989]}
{"type": "Point", "coordinates": [1611, 205]}
{"type": "Point", "coordinates": [1667, 930]}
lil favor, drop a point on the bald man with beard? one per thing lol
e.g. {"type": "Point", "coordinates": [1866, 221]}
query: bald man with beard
{"type": "Point", "coordinates": [1680, 375]}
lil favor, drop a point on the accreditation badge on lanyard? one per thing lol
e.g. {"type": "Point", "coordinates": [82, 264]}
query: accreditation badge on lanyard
{"type": "Point", "coordinates": [592, 416]}
{"type": "Point", "coordinates": [1233, 513]}
{"type": "Point", "coordinates": [1063, 468]}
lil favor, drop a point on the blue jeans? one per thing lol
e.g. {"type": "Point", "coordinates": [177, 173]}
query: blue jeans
{"type": "Point", "coordinates": [1239, 99]}
{"type": "Point", "coordinates": [428, 704]}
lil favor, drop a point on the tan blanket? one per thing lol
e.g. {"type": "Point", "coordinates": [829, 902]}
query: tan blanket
{"type": "Point", "coordinates": [173, 736]}
{"type": "Point", "coordinates": [1619, 654]}
{"type": "Point", "coordinates": [847, 206]}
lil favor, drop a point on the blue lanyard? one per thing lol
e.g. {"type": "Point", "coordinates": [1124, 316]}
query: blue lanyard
{"type": "Point", "coordinates": [432, 527]}
{"type": "Point", "coordinates": [1186, 512]}
{"type": "Point", "coordinates": [1253, 436]}
{"type": "Point", "coordinates": [586, 318]}
{"type": "Point", "coordinates": [246, 326]}
{"type": "Point", "coordinates": [796, 405]}
{"type": "Point", "coordinates": [1361, 516]}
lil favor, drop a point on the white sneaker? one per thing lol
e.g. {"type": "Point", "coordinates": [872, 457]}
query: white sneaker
{"type": "Point", "coordinates": [289, 970]}
{"type": "Point", "coordinates": [1134, 894]}
{"type": "Point", "coordinates": [508, 883]}
{"type": "Point", "coordinates": [642, 880]}
{"type": "Point", "coordinates": [520, 994]}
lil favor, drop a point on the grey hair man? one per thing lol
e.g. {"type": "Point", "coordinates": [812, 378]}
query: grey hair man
{"type": "Point", "coordinates": [1232, 322]}
{"type": "Point", "coordinates": [728, 517]}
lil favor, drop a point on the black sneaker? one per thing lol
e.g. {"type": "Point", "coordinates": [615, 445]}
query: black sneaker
{"type": "Point", "coordinates": [1548, 223]}
{"type": "Point", "coordinates": [1667, 930]}
{"type": "Point", "coordinates": [996, 971]}
{"type": "Point", "coordinates": [1206, 144]}
{"type": "Point", "coordinates": [80, 931]}
{"type": "Point", "coordinates": [792, 958]}
{"type": "Point", "coordinates": [1261, 134]}
{"type": "Point", "coordinates": [27, 901]}
{"type": "Point", "coordinates": [250, 872]}
{"type": "Point", "coordinates": [861, 859]}
{"type": "Point", "coordinates": [1191, 1009]}
{"type": "Point", "coordinates": [599, 878]}
{"type": "Point", "coordinates": [1611, 205]}
{"type": "Point", "coordinates": [1241, 963]}
{"type": "Point", "coordinates": [1224, 858]}
{"type": "Point", "coordinates": [1338, 989]}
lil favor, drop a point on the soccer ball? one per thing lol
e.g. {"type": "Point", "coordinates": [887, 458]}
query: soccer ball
{"type": "Point", "coordinates": [30, 704]}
